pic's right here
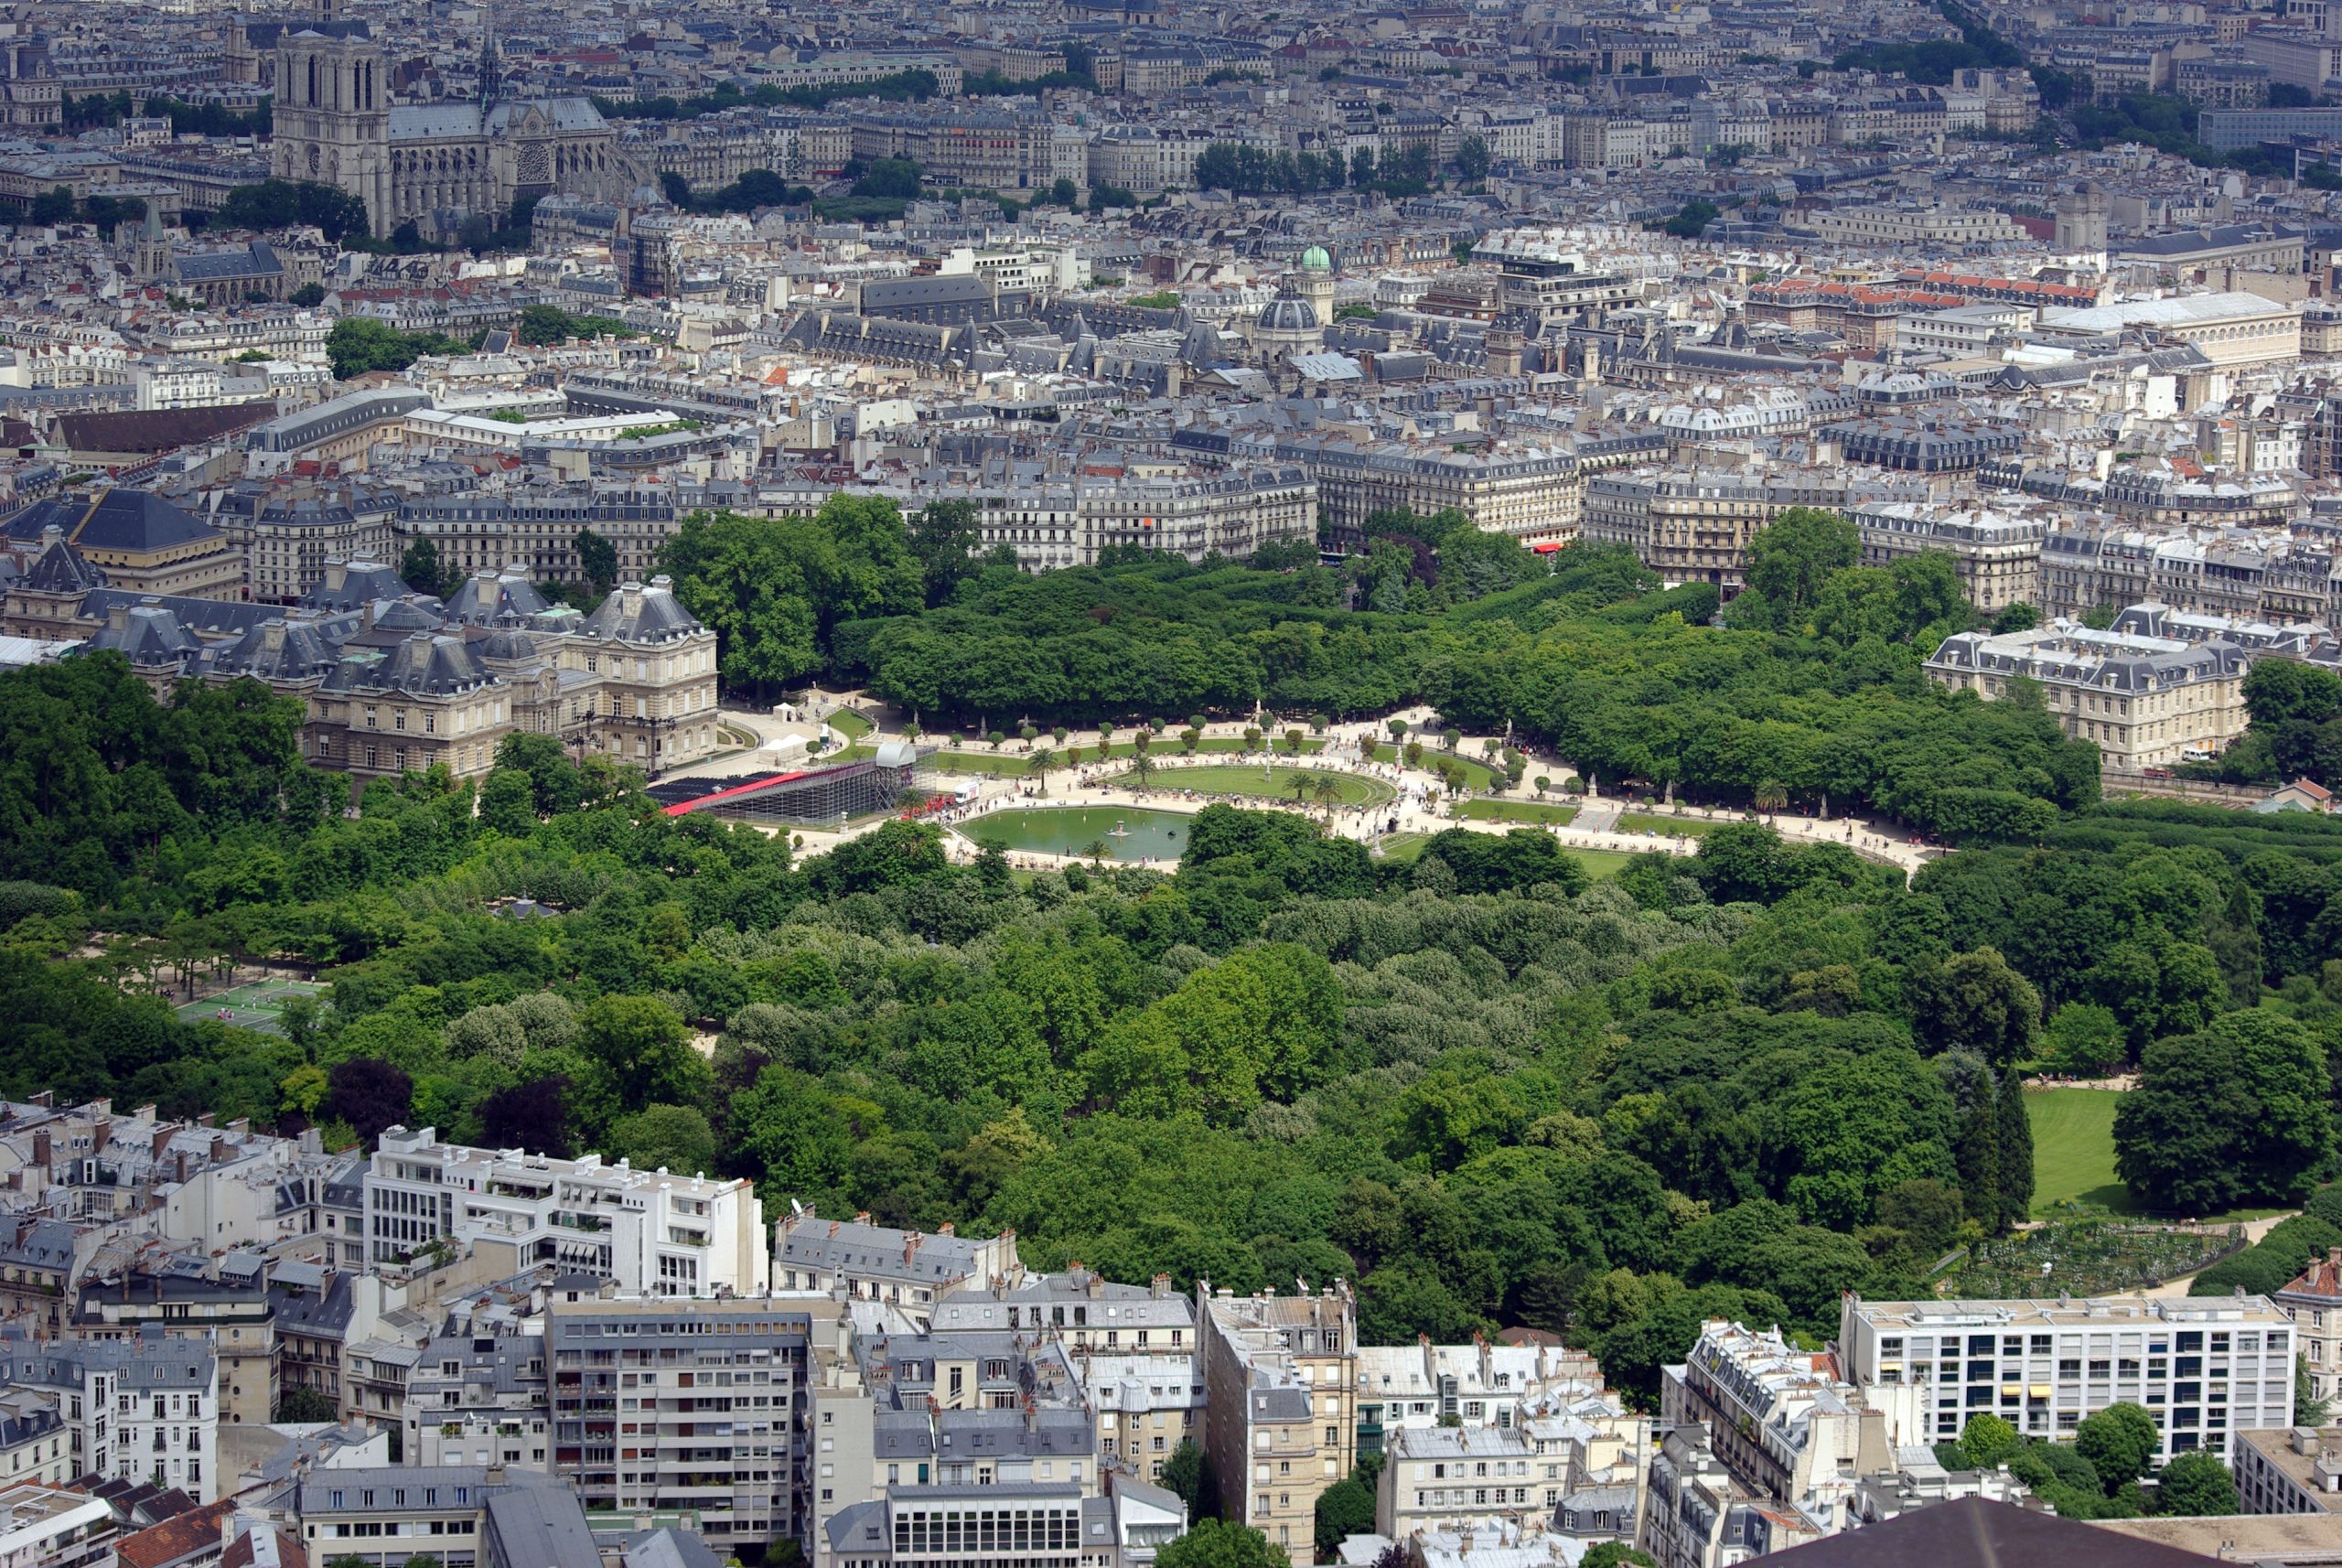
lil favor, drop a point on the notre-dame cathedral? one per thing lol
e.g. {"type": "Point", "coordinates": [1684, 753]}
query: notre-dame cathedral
{"type": "Point", "coordinates": [432, 162]}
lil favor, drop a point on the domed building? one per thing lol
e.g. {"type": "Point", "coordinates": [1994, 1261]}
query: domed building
{"type": "Point", "coordinates": [1285, 325]}
{"type": "Point", "coordinates": [1313, 284]}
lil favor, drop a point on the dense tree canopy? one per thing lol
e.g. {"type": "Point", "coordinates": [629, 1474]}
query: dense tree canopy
{"type": "Point", "coordinates": [1481, 1086]}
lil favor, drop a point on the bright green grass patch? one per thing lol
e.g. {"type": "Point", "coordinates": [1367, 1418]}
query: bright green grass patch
{"type": "Point", "coordinates": [1211, 778]}
{"type": "Point", "coordinates": [1517, 812]}
{"type": "Point", "coordinates": [1677, 827]}
{"type": "Point", "coordinates": [1000, 764]}
{"type": "Point", "coordinates": [2073, 1149]}
{"type": "Point", "coordinates": [1601, 864]}
{"type": "Point", "coordinates": [849, 723]}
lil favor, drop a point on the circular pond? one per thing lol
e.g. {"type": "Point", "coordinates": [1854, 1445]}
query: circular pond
{"type": "Point", "coordinates": [1127, 833]}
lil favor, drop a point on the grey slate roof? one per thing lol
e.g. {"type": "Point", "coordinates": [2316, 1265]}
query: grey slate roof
{"type": "Point", "coordinates": [641, 613]}
{"type": "Point", "coordinates": [113, 520]}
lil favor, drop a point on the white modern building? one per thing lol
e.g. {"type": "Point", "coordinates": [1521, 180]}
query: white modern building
{"type": "Point", "coordinates": [653, 1234]}
{"type": "Point", "coordinates": [2205, 1367]}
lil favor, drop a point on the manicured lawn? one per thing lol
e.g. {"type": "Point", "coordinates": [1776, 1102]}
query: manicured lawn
{"type": "Point", "coordinates": [1651, 823]}
{"type": "Point", "coordinates": [1477, 774]}
{"type": "Point", "coordinates": [1517, 812]}
{"type": "Point", "coordinates": [2073, 1148]}
{"type": "Point", "coordinates": [1211, 779]}
{"type": "Point", "coordinates": [995, 765]}
{"type": "Point", "coordinates": [1405, 848]}
{"type": "Point", "coordinates": [849, 723]}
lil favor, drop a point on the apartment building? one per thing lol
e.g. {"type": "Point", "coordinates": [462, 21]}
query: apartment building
{"type": "Point", "coordinates": [2312, 1300]}
{"type": "Point", "coordinates": [2144, 701]}
{"type": "Point", "coordinates": [466, 1516]}
{"type": "Point", "coordinates": [1280, 1405]}
{"type": "Point", "coordinates": [1997, 554]}
{"type": "Point", "coordinates": [1694, 527]}
{"type": "Point", "coordinates": [145, 1409]}
{"type": "Point", "coordinates": [2206, 1367]}
{"type": "Point", "coordinates": [1070, 522]}
{"type": "Point", "coordinates": [661, 1407]}
{"type": "Point", "coordinates": [478, 1394]}
{"type": "Point", "coordinates": [2297, 1470]}
{"type": "Point", "coordinates": [909, 1270]}
{"type": "Point", "coordinates": [1132, 1351]}
{"type": "Point", "coordinates": [952, 1414]}
{"type": "Point", "coordinates": [235, 1317]}
{"type": "Point", "coordinates": [648, 1232]}
{"type": "Point", "coordinates": [1524, 489]}
{"type": "Point", "coordinates": [1949, 227]}
{"type": "Point", "coordinates": [1701, 1516]}
{"type": "Point", "coordinates": [34, 1447]}
{"type": "Point", "coordinates": [1780, 1419]}
{"type": "Point", "coordinates": [1460, 1479]}
{"type": "Point", "coordinates": [45, 1526]}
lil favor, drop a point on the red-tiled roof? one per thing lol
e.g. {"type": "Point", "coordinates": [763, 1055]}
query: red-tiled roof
{"type": "Point", "coordinates": [175, 1538]}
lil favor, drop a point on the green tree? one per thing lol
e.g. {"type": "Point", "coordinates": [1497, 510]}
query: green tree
{"type": "Point", "coordinates": [676, 189]}
{"type": "Point", "coordinates": [2235, 1113]}
{"type": "Point", "coordinates": [597, 558]}
{"type": "Point", "coordinates": [2120, 1442]}
{"type": "Point", "coordinates": [1987, 1439]}
{"type": "Point", "coordinates": [1789, 560]}
{"type": "Point", "coordinates": [419, 568]}
{"type": "Point", "coordinates": [945, 538]}
{"type": "Point", "coordinates": [1472, 159]}
{"type": "Point", "coordinates": [1344, 1509]}
{"type": "Point", "coordinates": [1183, 1478]}
{"type": "Point", "coordinates": [643, 1050]}
{"type": "Point", "coordinates": [1217, 1543]}
{"type": "Point", "coordinates": [675, 1138]}
{"type": "Point", "coordinates": [1691, 219]}
{"type": "Point", "coordinates": [1975, 1002]}
{"type": "Point", "coordinates": [2195, 1485]}
{"type": "Point", "coordinates": [54, 205]}
{"type": "Point", "coordinates": [305, 1407]}
{"type": "Point", "coordinates": [1616, 1555]}
{"type": "Point", "coordinates": [2084, 1039]}
{"type": "Point", "coordinates": [361, 343]}
{"type": "Point", "coordinates": [308, 296]}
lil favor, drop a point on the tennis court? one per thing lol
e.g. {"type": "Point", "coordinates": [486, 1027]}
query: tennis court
{"type": "Point", "coordinates": [254, 1006]}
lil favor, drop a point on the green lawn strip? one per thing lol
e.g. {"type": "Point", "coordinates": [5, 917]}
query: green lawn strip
{"type": "Point", "coordinates": [1211, 778]}
{"type": "Point", "coordinates": [1517, 812]}
{"type": "Point", "coordinates": [1675, 827]}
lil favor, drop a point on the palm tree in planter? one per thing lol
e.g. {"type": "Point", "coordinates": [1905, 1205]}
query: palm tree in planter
{"type": "Point", "coordinates": [1038, 765]}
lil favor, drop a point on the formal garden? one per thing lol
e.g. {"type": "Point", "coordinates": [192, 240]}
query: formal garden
{"type": "Point", "coordinates": [2084, 1257]}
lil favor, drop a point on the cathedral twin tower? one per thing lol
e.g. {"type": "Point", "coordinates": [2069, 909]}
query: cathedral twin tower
{"type": "Point", "coordinates": [430, 164]}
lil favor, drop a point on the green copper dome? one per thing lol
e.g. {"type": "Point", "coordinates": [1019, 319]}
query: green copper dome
{"type": "Point", "coordinates": [1315, 260]}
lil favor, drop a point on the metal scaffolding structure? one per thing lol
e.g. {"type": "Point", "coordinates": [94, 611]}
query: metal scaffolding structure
{"type": "Point", "coordinates": [813, 797]}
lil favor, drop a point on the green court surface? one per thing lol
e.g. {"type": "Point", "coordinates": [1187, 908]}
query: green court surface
{"type": "Point", "coordinates": [258, 1006]}
{"type": "Point", "coordinates": [1517, 812]}
{"type": "Point", "coordinates": [1212, 778]}
{"type": "Point", "coordinates": [1670, 827]}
